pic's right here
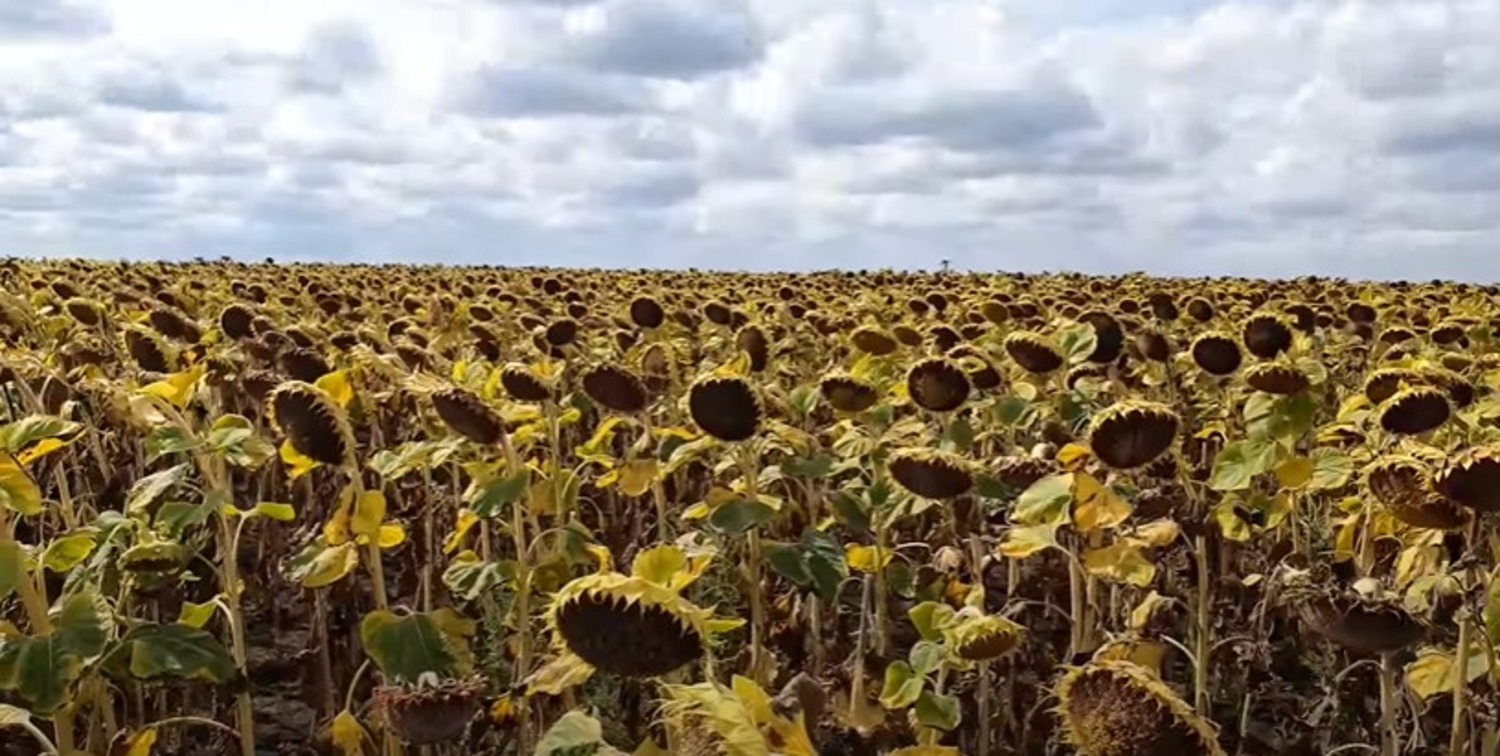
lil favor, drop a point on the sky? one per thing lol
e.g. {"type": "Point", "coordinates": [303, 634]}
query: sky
{"type": "Point", "coordinates": [1356, 138]}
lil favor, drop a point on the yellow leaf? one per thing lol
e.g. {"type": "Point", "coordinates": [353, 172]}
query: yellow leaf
{"type": "Point", "coordinates": [1157, 533]}
{"type": "Point", "coordinates": [697, 511]}
{"type": "Point", "coordinates": [565, 672]}
{"type": "Point", "coordinates": [331, 565]}
{"type": "Point", "coordinates": [369, 513]}
{"type": "Point", "coordinates": [636, 478]}
{"type": "Point", "coordinates": [466, 521]}
{"type": "Point", "coordinates": [297, 465]}
{"type": "Point", "coordinates": [40, 449]}
{"type": "Point", "coordinates": [196, 615]}
{"type": "Point", "coordinates": [862, 558]}
{"type": "Point", "coordinates": [1141, 615]}
{"type": "Point", "coordinates": [1294, 473]}
{"type": "Point", "coordinates": [336, 530]}
{"type": "Point", "coordinates": [1121, 562]}
{"type": "Point", "coordinates": [177, 388]}
{"type": "Point", "coordinates": [1431, 674]}
{"type": "Point", "coordinates": [601, 556]}
{"type": "Point", "coordinates": [1344, 538]}
{"type": "Point", "coordinates": [347, 734]}
{"type": "Point", "coordinates": [17, 490]}
{"type": "Point", "coordinates": [1230, 524]}
{"type": "Point", "coordinates": [140, 743]}
{"type": "Point", "coordinates": [1148, 654]}
{"type": "Point", "coordinates": [1022, 542]}
{"type": "Point", "coordinates": [338, 386]}
{"type": "Point", "coordinates": [1098, 507]}
{"type": "Point", "coordinates": [1073, 457]}
{"type": "Point", "coordinates": [659, 564]}
{"type": "Point", "coordinates": [390, 536]}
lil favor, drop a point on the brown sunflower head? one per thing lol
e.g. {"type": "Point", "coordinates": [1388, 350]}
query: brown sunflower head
{"type": "Point", "coordinates": [1276, 378]}
{"type": "Point", "coordinates": [1404, 486]}
{"type": "Point", "coordinates": [872, 340]}
{"type": "Point", "coordinates": [1132, 434]}
{"type": "Point", "coordinates": [429, 714]}
{"type": "Point", "coordinates": [561, 333]}
{"type": "Point", "coordinates": [312, 422]}
{"type": "Point", "coordinates": [1266, 335]}
{"type": "Point", "coordinates": [1019, 471]}
{"type": "Point", "coordinates": [1033, 352]}
{"type": "Point", "coordinates": [172, 323]}
{"type": "Point", "coordinates": [725, 407]}
{"type": "Point", "coordinates": [1200, 310]}
{"type": "Point", "coordinates": [752, 341]}
{"type": "Point", "coordinates": [523, 384]}
{"type": "Point", "coordinates": [1109, 337]}
{"type": "Point", "coordinates": [616, 389]}
{"type": "Point", "coordinates": [931, 473]}
{"type": "Point", "coordinates": [1119, 708]}
{"type": "Point", "coordinates": [981, 637]}
{"type": "Point", "coordinates": [982, 373]}
{"type": "Point", "coordinates": [1415, 410]}
{"type": "Point", "coordinates": [86, 311]}
{"type": "Point", "coordinates": [1364, 623]}
{"type": "Point", "coordinates": [148, 351]}
{"type": "Point", "coordinates": [1472, 479]}
{"type": "Point", "coordinates": [937, 385]}
{"type": "Point", "coordinates": [237, 321]}
{"type": "Point", "coordinates": [468, 416]}
{"type": "Point", "coordinates": [1153, 346]}
{"type": "Point", "coordinates": [1383, 384]}
{"type": "Point", "coordinates": [303, 364]}
{"type": "Point", "coordinates": [846, 393]}
{"type": "Point", "coordinates": [632, 633]}
{"type": "Point", "coordinates": [1216, 354]}
{"type": "Point", "coordinates": [646, 312]}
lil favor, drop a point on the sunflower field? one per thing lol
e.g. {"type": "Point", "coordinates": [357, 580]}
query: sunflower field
{"type": "Point", "coordinates": [318, 509]}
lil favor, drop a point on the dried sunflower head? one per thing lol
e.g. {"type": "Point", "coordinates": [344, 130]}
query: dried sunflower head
{"type": "Point", "coordinates": [627, 626]}
{"type": "Point", "coordinates": [1216, 354]}
{"type": "Point", "coordinates": [149, 351]}
{"type": "Point", "coordinates": [1033, 352]}
{"type": "Point", "coordinates": [312, 422]}
{"type": "Point", "coordinates": [468, 416]}
{"type": "Point", "coordinates": [523, 384]}
{"type": "Point", "coordinates": [752, 341]}
{"type": "Point", "coordinates": [872, 340]}
{"type": "Point", "coordinates": [429, 713]}
{"type": "Point", "coordinates": [1383, 384]}
{"type": "Point", "coordinates": [646, 312]}
{"type": "Point", "coordinates": [1472, 479]}
{"type": "Point", "coordinates": [1415, 410]}
{"type": "Point", "coordinates": [1277, 378]}
{"type": "Point", "coordinates": [931, 473]}
{"type": "Point", "coordinates": [726, 407]}
{"type": "Point", "coordinates": [1132, 434]}
{"type": "Point", "coordinates": [1363, 621]}
{"type": "Point", "coordinates": [937, 385]}
{"type": "Point", "coordinates": [979, 637]}
{"type": "Point", "coordinates": [616, 389]}
{"type": "Point", "coordinates": [848, 394]}
{"type": "Point", "coordinates": [1118, 708]}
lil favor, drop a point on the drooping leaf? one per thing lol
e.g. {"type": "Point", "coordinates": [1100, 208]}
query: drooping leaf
{"type": "Point", "coordinates": [574, 733]}
{"type": "Point", "coordinates": [406, 647]}
{"type": "Point", "coordinates": [1022, 542]}
{"type": "Point", "coordinates": [146, 491]}
{"type": "Point", "coordinates": [1238, 463]}
{"type": "Point", "coordinates": [1045, 502]}
{"type": "Point", "coordinates": [347, 734]}
{"type": "Point", "coordinates": [490, 499]}
{"type": "Point", "coordinates": [319, 564]}
{"type": "Point", "coordinates": [18, 492]}
{"type": "Point", "coordinates": [66, 552]}
{"type": "Point", "coordinates": [938, 711]}
{"type": "Point", "coordinates": [1331, 470]}
{"type": "Point", "coordinates": [17, 436]}
{"type": "Point", "coordinates": [1098, 506]}
{"type": "Point", "coordinates": [1120, 562]}
{"type": "Point", "coordinates": [902, 686]}
{"type": "Point", "coordinates": [740, 515]}
{"type": "Point", "coordinates": [12, 567]}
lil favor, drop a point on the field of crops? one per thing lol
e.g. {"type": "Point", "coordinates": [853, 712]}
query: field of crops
{"type": "Point", "coordinates": [320, 509]}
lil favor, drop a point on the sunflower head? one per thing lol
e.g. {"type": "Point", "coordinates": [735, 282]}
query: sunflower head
{"type": "Point", "coordinates": [1415, 410]}
{"type": "Point", "coordinates": [1119, 708]}
{"type": "Point", "coordinates": [524, 384]}
{"type": "Point", "coordinates": [1132, 434]}
{"type": "Point", "coordinates": [1153, 346]}
{"type": "Point", "coordinates": [931, 473]}
{"type": "Point", "coordinates": [312, 422]}
{"type": "Point", "coordinates": [1018, 472]}
{"type": "Point", "coordinates": [1404, 485]}
{"type": "Point", "coordinates": [1278, 378]}
{"type": "Point", "coordinates": [149, 351]}
{"type": "Point", "coordinates": [626, 625]}
{"type": "Point", "coordinates": [237, 321]}
{"type": "Point", "coordinates": [1472, 479]}
{"type": "Point", "coordinates": [872, 340]}
{"type": "Point", "coordinates": [86, 311]}
{"type": "Point", "coordinates": [1216, 354]}
{"type": "Point", "coordinates": [1033, 352]}
{"type": "Point", "coordinates": [937, 385]}
{"type": "Point", "coordinates": [753, 342]}
{"type": "Point", "coordinates": [646, 312]}
{"type": "Point", "coordinates": [616, 389]}
{"type": "Point", "coordinates": [979, 637]}
{"type": "Point", "coordinates": [428, 714]}
{"type": "Point", "coordinates": [1109, 337]}
{"type": "Point", "coordinates": [726, 407]}
{"type": "Point", "coordinates": [1366, 622]}
{"type": "Point", "coordinates": [1383, 384]}
{"type": "Point", "coordinates": [468, 416]}
{"type": "Point", "coordinates": [846, 393]}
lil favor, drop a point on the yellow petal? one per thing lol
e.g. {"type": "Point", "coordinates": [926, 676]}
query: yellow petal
{"type": "Point", "coordinates": [338, 386]}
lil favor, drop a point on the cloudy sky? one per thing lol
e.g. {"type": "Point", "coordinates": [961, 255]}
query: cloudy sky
{"type": "Point", "coordinates": [1265, 137]}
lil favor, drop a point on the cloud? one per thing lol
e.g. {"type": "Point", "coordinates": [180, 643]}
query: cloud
{"type": "Point", "coordinates": [48, 19]}
{"type": "Point", "coordinates": [521, 92]}
{"type": "Point", "coordinates": [673, 39]}
{"type": "Point", "coordinates": [336, 55]}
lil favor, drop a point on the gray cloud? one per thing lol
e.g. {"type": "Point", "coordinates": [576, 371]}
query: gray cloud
{"type": "Point", "coordinates": [674, 39]}
{"type": "Point", "coordinates": [336, 56]}
{"type": "Point", "coordinates": [44, 19]}
{"type": "Point", "coordinates": [521, 92]}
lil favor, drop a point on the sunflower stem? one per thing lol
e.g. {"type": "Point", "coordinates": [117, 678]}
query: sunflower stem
{"type": "Point", "coordinates": [1457, 740]}
{"type": "Point", "coordinates": [983, 748]}
{"type": "Point", "coordinates": [1201, 638]}
{"type": "Point", "coordinates": [1390, 738]}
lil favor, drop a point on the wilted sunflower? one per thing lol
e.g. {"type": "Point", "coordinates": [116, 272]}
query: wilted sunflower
{"type": "Point", "coordinates": [848, 394]}
{"type": "Point", "coordinates": [615, 388]}
{"type": "Point", "coordinates": [1109, 338]}
{"type": "Point", "coordinates": [312, 422]}
{"type": "Point", "coordinates": [725, 407]}
{"type": "Point", "coordinates": [645, 312]}
{"type": "Point", "coordinates": [872, 340]}
{"type": "Point", "coordinates": [427, 714]}
{"type": "Point", "coordinates": [1415, 410]}
{"type": "Point", "coordinates": [153, 557]}
{"type": "Point", "coordinates": [1216, 354]}
{"type": "Point", "coordinates": [1276, 378]}
{"type": "Point", "coordinates": [1033, 352]}
{"type": "Point", "coordinates": [1119, 708]}
{"type": "Point", "coordinates": [1472, 479]}
{"type": "Point", "coordinates": [1266, 335]}
{"type": "Point", "coordinates": [1018, 472]}
{"type": "Point", "coordinates": [468, 416]}
{"type": "Point", "coordinates": [148, 351]}
{"type": "Point", "coordinates": [1383, 384]}
{"type": "Point", "coordinates": [982, 373]}
{"type": "Point", "coordinates": [1200, 310]}
{"type": "Point", "coordinates": [523, 384]}
{"type": "Point", "coordinates": [931, 473]}
{"type": "Point", "coordinates": [85, 311]}
{"type": "Point", "coordinates": [1460, 390]}
{"type": "Point", "coordinates": [752, 341]}
{"type": "Point", "coordinates": [1366, 622]}
{"type": "Point", "coordinates": [937, 385]}
{"type": "Point", "coordinates": [1132, 434]}
{"type": "Point", "coordinates": [303, 364]}
{"type": "Point", "coordinates": [627, 626]}
{"type": "Point", "coordinates": [1153, 346]}
{"type": "Point", "coordinates": [1404, 485]}
{"type": "Point", "coordinates": [979, 637]}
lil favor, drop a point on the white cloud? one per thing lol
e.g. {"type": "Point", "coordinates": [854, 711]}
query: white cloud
{"type": "Point", "coordinates": [1272, 137]}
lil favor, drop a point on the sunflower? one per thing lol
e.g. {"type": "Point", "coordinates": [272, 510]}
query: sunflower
{"type": "Point", "coordinates": [312, 422]}
{"type": "Point", "coordinates": [1018, 472]}
{"type": "Point", "coordinates": [1266, 335]}
{"type": "Point", "coordinates": [627, 626]}
{"type": "Point", "coordinates": [1415, 410]}
{"type": "Point", "coordinates": [1153, 346]}
{"type": "Point", "coordinates": [616, 389]}
{"type": "Point", "coordinates": [937, 385]}
{"type": "Point", "coordinates": [523, 384]}
{"type": "Point", "coordinates": [1033, 352]}
{"type": "Point", "coordinates": [846, 393]}
{"type": "Point", "coordinates": [930, 473]}
{"type": "Point", "coordinates": [303, 364]}
{"type": "Point", "coordinates": [1404, 485]}
{"type": "Point", "coordinates": [1472, 479]}
{"type": "Point", "coordinates": [1118, 708]}
{"type": "Point", "coordinates": [727, 408]}
{"type": "Point", "coordinates": [85, 311]}
{"type": "Point", "coordinates": [1132, 434]}
{"type": "Point", "coordinates": [1109, 337]}
{"type": "Point", "coordinates": [1362, 623]}
{"type": "Point", "coordinates": [424, 714]}
{"type": "Point", "coordinates": [978, 637]}
{"type": "Point", "coordinates": [874, 341]}
{"type": "Point", "coordinates": [1383, 383]}
{"type": "Point", "coordinates": [752, 341]}
{"type": "Point", "coordinates": [1216, 354]}
{"type": "Point", "coordinates": [468, 416]}
{"type": "Point", "coordinates": [1276, 378]}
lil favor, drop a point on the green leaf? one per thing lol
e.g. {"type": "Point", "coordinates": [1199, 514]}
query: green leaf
{"type": "Point", "coordinates": [902, 686]}
{"type": "Point", "coordinates": [1045, 502]}
{"type": "Point", "coordinates": [12, 567]}
{"type": "Point", "coordinates": [574, 733]}
{"type": "Point", "coordinates": [40, 670]}
{"type": "Point", "coordinates": [470, 577]}
{"type": "Point", "coordinates": [1331, 469]}
{"type": "Point", "coordinates": [938, 711]}
{"type": "Point", "coordinates": [925, 657]}
{"type": "Point", "coordinates": [234, 437]}
{"type": "Point", "coordinates": [177, 516]}
{"type": "Point", "coordinates": [172, 651]}
{"type": "Point", "coordinates": [788, 561]}
{"type": "Point", "coordinates": [850, 509]}
{"type": "Point", "coordinates": [1238, 463]}
{"type": "Point", "coordinates": [1078, 342]}
{"type": "Point", "coordinates": [82, 622]}
{"type": "Point", "coordinates": [317, 564]}
{"type": "Point", "coordinates": [813, 467]}
{"type": "Point", "coordinates": [990, 487]}
{"type": "Point", "coordinates": [29, 430]}
{"type": "Point", "coordinates": [740, 515]}
{"type": "Point", "coordinates": [489, 500]}
{"type": "Point", "coordinates": [825, 560]}
{"type": "Point", "coordinates": [168, 439]}
{"type": "Point", "coordinates": [275, 510]}
{"type": "Point", "coordinates": [961, 433]}
{"type": "Point", "coordinates": [149, 489]}
{"type": "Point", "coordinates": [930, 618]}
{"type": "Point", "coordinates": [66, 552]}
{"type": "Point", "coordinates": [406, 647]}
{"type": "Point", "coordinates": [196, 615]}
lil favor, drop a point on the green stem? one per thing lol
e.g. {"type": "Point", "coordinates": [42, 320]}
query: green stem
{"type": "Point", "coordinates": [1458, 739]}
{"type": "Point", "coordinates": [759, 658]}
